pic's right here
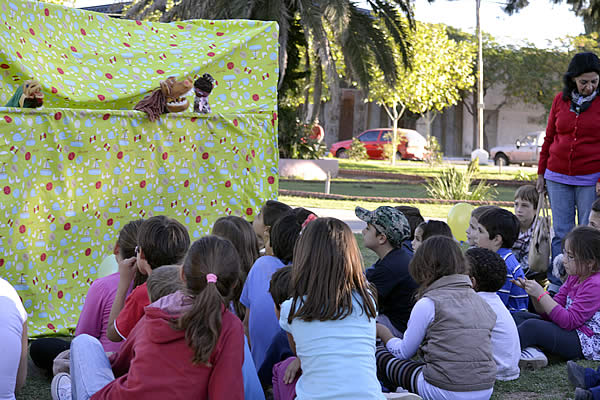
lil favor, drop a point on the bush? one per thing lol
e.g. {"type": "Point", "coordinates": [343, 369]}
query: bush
{"type": "Point", "coordinates": [521, 175]}
{"type": "Point", "coordinates": [433, 153]}
{"type": "Point", "coordinates": [455, 184]}
{"type": "Point", "coordinates": [293, 137]}
{"type": "Point", "coordinates": [357, 150]}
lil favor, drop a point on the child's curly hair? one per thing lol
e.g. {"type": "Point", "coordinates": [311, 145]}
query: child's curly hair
{"type": "Point", "coordinates": [488, 269]}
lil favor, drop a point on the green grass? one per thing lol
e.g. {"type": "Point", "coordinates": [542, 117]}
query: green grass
{"type": "Point", "coordinates": [424, 169]}
{"type": "Point", "coordinates": [435, 211]}
{"type": "Point", "coordinates": [378, 188]}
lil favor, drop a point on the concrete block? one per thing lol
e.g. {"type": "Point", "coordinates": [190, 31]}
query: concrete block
{"type": "Point", "coordinates": [308, 169]}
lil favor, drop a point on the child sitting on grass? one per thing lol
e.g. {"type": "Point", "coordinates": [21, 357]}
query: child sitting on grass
{"type": "Point", "coordinates": [450, 324]}
{"type": "Point", "coordinates": [186, 346]}
{"type": "Point", "coordinates": [428, 229]}
{"type": "Point", "coordinates": [569, 323]}
{"type": "Point", "coordinates": [472, 228]}
{"type": "Point", "coordinates": [497, 230]}
{"type": "Point", "coordinates": [270, 212]}
{"type": "Point", "coordinates": [488, 274]}
{"type": "Point", "coordinates": [330, 316]}
{"type": "Point", "coordinates": [387, 234]}
{"type": "Point", "coordinates": [526, 202]}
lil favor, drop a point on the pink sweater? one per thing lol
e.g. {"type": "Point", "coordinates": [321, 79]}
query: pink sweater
{"type": "Point", "coordinates": [93, 319]}
{"type": "Point", "coordinates": [580, 305]}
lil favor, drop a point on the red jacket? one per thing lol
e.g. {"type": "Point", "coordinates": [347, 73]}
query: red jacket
{"type": "Point", "coordinates": [155, 362]}
{"type": "Point", "coordinates": [572, 143]}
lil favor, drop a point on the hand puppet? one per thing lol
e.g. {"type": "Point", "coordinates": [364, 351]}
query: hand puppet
{"type": "Point", "coordinates": [169, 98]}
{"type": "Point", "coordinates": [202, 88]}
{"type": "Point", "coordinates": [28, 95]}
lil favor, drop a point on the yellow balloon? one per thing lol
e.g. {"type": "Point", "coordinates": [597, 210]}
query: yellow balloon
{"type": "Point", "coordinates": [458, 220]}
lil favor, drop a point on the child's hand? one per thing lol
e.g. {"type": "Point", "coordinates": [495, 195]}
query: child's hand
{"type": "Point", "coordinates": [531, 286]}
{"type": "Point", "coordinates": [383, 332]}
{"type": "Point", "coordinates": [291, 371]}
{"type": "Point", "coordinates": [127, 269]}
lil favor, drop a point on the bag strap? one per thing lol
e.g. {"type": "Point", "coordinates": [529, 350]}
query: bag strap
{"type": "Point", "coordinates": [543, 205]}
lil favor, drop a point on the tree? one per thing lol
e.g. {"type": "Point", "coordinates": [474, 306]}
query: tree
{"type": "Point", "coordinates": [441, 70]}
{"type": "Point", "coordinates": [325, 24]}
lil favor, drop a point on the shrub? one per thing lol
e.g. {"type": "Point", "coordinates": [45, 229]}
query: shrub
{"type": "Point", "coordinates": [433, 153]}
{"type": "Point", "coordinates": [293, 137]}
{"type": "Point", "coordinates": [357, 150]}
{"type": "Point", "coordinates": [521, 175]}
{"type": "Point", "coordinates": [455, 184]}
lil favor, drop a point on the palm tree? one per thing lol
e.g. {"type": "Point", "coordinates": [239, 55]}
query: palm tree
{"type": "Point", "coordinates": [325, 24]}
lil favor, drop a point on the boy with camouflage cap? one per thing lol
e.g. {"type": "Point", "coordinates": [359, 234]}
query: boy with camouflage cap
{"type": "Point", "coordinates": [386, 234]}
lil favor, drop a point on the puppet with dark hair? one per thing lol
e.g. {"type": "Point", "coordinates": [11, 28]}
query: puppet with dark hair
{"type": "Point", "coordinates": [28, 95]}
{"type": "Point", "coordinates": [169, 98]}
{"type": "Point", "coordinates": [202, 88]}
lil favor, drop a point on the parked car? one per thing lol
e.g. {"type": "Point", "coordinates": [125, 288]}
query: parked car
{"type": "Point", "coordinates": [411, 145]}
{"type": "Point", "coordinates": [524, 151]}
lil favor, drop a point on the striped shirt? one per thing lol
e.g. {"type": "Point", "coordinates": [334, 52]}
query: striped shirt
{"type": "Point", "coordinates": [513, 297]}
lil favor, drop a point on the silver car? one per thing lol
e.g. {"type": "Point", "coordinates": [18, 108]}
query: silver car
{"type": "Point", "coordinates": [525, 151]}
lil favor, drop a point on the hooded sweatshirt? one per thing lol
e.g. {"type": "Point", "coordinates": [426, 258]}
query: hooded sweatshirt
{"type": "Point", "coordinates": [155, 361]}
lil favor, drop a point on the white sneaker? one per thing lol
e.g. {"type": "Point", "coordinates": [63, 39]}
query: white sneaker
{"type": "Point", "coordinates": [61, 386]}
{"type": "Point", "coordinates": [532, 358]}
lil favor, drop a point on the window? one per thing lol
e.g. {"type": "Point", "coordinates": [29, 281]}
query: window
{"type": "Point", "coordinates": [369, 136]}
{"type": "Point", "coordinates": [386, 136]}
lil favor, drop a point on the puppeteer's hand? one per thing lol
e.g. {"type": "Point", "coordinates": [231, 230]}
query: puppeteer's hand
{"type": "Point", "coordinates": [291, 371]}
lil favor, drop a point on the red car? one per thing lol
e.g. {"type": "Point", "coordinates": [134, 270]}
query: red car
{"type": "Point", "coordinates": [411, 145]}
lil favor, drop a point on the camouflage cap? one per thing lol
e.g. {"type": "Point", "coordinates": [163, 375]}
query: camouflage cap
{"type": "Point", "coordinates": [387, 220]}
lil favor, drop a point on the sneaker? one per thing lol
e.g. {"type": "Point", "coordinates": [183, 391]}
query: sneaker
{"type": "Point", "coordinates": [576, 374]}
{"type": "Point", "coordinates": [582, 394]}
{"type": "Point", "coordinates": [61, 387]}
{"type": "Point", "coordinates": [532, 359]}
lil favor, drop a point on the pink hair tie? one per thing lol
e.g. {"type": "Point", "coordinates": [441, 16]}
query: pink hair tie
{"type": "Point", "coordinates": [211, 278]}
{"type": "Point", "coordinates": [308, 219]}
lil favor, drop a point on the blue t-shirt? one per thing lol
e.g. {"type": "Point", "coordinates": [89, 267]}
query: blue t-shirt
{"type": "Point", "coordinates": [262, 322]}
{"type": "Point", "coordinates": [513, 297]}
{"type": "Point", "coordinates": [337, 357]}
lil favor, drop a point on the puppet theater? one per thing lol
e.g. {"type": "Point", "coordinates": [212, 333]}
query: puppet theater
{"type": "Point", "coordinates": [76, 169]}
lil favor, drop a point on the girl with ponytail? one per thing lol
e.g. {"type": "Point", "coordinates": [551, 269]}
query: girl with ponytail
{"type": "Point", "coordinates": [188, 345]}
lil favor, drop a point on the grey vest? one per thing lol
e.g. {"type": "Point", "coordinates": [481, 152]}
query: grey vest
{"type": "Point", "coordinates": [457, 346]}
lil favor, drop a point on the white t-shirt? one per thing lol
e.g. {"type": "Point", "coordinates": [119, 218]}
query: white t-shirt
{"type": "Point", "coordinates": [12, 318]}
{"type": "Point", "coordinates": [505, 339]}
{"type": "Point", "coordinates": [337, 356]}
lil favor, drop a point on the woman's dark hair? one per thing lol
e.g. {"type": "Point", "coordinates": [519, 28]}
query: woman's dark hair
{"type": "Point", "coordinates": [488, 269]}
{"type": "Point", "coordinates": [584, 243]}
{"type": "Point", "coordinates": [414, 217]}
{"type": "Point", "coordinates": [127, 240]}
{"type": "Point", "coordinates": [202, 322]}
{"type": "Point", "coordinates": [280, 285]}
{"type": "Point", "coordinates": [433, 227]}
{"type": "Point", "coordinates": [164, 241]}
{"type": "Point", "coordinates": [580, 64]}
{"type": "Point", "coordinates": [327, 272]}
{"type": "Point", "coordinates": [283, 236]}
{"type": "Point", "coordinates": [239, 232]}
{"type": "Point", "coordinates": [273, 210]}
{"type": "Point", "coordinates": [437, 257]}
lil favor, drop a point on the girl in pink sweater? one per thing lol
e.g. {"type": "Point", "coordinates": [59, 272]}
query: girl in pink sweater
{"type": "Point", "coordinates": [569, 323]}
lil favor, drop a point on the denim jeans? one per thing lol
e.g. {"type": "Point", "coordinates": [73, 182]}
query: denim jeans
{"type": "Point", "coordinates": [90, 368]}
{"type": "Point", "coordinates": [535, 331]}
{"type": "Point", "coordinates": [564, 199]}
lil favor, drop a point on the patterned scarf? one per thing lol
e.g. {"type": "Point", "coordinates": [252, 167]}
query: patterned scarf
{"type": "Point", "coordinates": [581, 103]}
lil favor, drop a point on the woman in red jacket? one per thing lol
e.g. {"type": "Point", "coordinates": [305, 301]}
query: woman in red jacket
{"type": "Point", "coordinates": [569, 162]}
{"type": "Point", "coordinates": [188, 345]}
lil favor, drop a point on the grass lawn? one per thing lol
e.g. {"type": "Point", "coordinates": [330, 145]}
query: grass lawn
{"type": "Point", "coordinates": [379, 188]}
{"type": "Point", "coordinates": [435, 211]}
{"type": "Point", "coordinates": [422, 168]}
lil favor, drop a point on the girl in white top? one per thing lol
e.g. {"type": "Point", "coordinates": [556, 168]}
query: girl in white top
{"type": "Point", "coordinates": [13, 342]}
{"type": "Point", "coordinates": [330, 318]}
